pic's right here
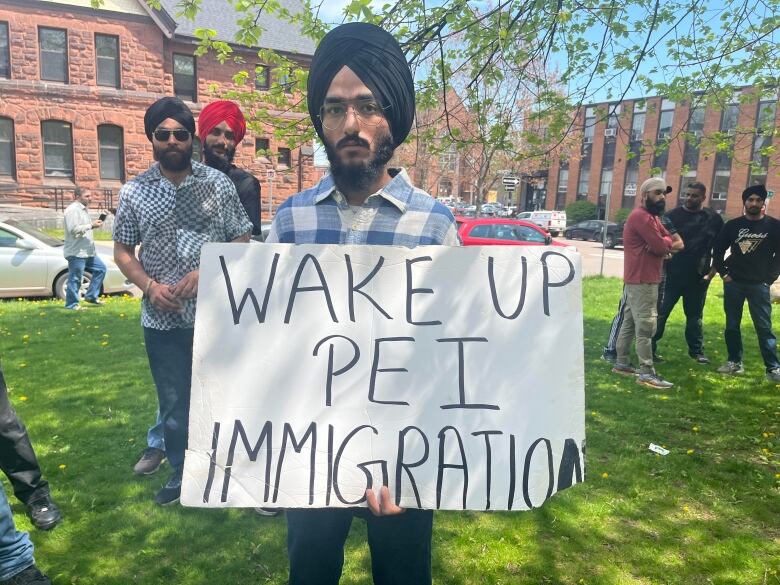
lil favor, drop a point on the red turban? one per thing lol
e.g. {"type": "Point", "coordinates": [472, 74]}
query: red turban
{"type": "Point", "coordinates": [221, 111]}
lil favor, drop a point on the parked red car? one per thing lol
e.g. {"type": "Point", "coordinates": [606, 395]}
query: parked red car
{"type": "Point", "coordinates": [499, 231]}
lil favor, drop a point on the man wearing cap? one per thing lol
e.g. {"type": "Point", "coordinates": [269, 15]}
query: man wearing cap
{"type": "Point", "coordinates": [221, 127]}
{"type": "Point", "coordinates": [749, 271]}
{"type": "Point", "coordinates": [361, 102]}
{"type": "Point", "coordinates": [171, 210]}
{"type": "Point", "coordinates": [646, 244]}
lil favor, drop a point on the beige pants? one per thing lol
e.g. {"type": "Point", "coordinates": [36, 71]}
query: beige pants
{"type": "Point", "coordinates": [641, 316]}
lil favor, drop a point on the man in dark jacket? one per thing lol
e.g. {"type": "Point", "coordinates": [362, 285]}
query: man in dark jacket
{"type": "Point", "coordinates": [754, 264]}
{"type": "Point", "coordinates": [688, 273]}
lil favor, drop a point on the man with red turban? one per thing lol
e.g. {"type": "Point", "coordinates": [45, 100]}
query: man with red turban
{"type": "Point", "coordinates": [221, 127]}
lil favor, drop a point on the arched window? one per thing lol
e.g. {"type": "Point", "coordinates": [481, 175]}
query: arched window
{"type": "Point", "coordinates": [112, 152]}
{"type": "Point", "coordinates": [57, 149]}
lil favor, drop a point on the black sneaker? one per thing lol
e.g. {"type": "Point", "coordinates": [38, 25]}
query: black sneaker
{"type": "Point", "coordinates": [700, 358]}
{"type": "Point", "coordinates": [171, 492]}
{"type": "Point", "coordinates": [44, 513]}
{"type": "Point", "coordinates": [29, 576]}
{"type": "Point", "coordinates": [609, 357]}
{"type": "Point", "coordinates": [150, 461]}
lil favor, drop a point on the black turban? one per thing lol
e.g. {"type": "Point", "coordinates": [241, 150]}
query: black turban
{"type": "Point", "coordinates": [376, 58]}
{"type": "Point", "coordinates": [164, 108]}
{"type": "Point", "coordinates": [759, 190]}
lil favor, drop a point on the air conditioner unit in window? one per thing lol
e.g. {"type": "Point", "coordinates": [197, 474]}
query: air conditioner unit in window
{"type": "Point", "coordinates": [698, 133]}
{"type": "Point", "coordinates": [610, 132]}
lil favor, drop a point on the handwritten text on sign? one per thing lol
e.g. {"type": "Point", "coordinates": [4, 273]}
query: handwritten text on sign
{"type": "Point", "coordinates": [452, 375]}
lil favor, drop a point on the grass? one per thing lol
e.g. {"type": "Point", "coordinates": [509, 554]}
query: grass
{"type": "Point", "coordinates": [708, 513]}
{"type": "Point", "coordinates": [98, 234]}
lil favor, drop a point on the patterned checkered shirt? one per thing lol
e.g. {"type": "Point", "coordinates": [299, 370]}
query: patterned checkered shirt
{"type": "Point", "coordinates": [171, 223]}
{"type": "Point", "coordinates": [397, 215]}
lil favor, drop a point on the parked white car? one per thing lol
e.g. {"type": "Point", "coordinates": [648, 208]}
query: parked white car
{"type": "Point", "coordinates": [552, 221]}
{"type": "Point", "coordinates": [32, 264]}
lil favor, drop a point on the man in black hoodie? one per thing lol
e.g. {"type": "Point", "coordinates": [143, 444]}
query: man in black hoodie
{"type": "Point", "coordinates": [754, 264]}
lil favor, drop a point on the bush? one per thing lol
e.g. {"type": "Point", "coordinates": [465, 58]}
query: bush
{"type": "Point", "coordinates": [578, 211]}
{"type": "Point", "coordinates": [622, 214]}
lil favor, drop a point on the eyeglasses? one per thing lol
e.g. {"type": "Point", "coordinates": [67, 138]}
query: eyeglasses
{"type": "Point", "coordinates": [164, 135]}
{"type": "Point", "coordinates": [367, 110]}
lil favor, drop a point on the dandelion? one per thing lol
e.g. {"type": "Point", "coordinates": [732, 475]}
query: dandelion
{"type": "Point", "coordinates": [122, 315]}
{"type": "Point", "coordinates": [23, 398]}
{"type": "Point", "coordinates": [62, 466]}
{"type": "Point", "coordinates": [765, 451]}
{"type": "Point", "coordinates": [686, 509]}
{"type": "Point", "coordinates": [604, 475]}
{"type": "Point", "coordinates": [765, 435]}
{"type": "Point", "coordinates": [664, 397]}
{"type": "Point", "coordinates": [42, 314]}
{"type": "Point", "coordinates": [25, 338]}
{"type": "Point", "coordinates": [689, 452]}
{"type": "Point", "coordinates": [22, 365]}
{"type": "Point", "coordinates": [695, 429]}
{"type": "Point", "coordinates": [104, 343]}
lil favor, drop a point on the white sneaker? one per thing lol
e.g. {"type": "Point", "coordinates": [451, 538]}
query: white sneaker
{"type": "Point", "coordinates": [731, 368]}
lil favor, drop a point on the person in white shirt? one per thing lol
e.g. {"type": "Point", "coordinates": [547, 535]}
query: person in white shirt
{"type": "Point", "coordinates": [80, 251]}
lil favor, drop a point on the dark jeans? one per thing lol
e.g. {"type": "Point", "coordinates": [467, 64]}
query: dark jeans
{"type": "Point", "coordinates": [17, 458]}
{"type": "Point", "coordinates": [757, 295]}
{"type": "Point", "coordinates": [170, 359]}
{"type": "Point", "coordinates": [694, 293]}
{"type": "Point", "coordinates": [400, 545]}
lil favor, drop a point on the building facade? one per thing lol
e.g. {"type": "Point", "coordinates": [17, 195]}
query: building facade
{"type": "Point", "coordinates": [75, 83]}
{"type": "Point", "coordinates": [622, 144]}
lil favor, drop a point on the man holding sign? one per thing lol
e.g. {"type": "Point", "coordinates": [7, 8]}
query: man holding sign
{"type": "Point", "coordinates": [361, 101]}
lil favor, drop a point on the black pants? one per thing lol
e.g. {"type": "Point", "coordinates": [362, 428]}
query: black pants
{"type": "Point", "coordinates": [400, 545]}
{"type": "Point", "coordinates": [693, 292]}
{"type": "Point", "coordinates": [17, 458]}
{"type": "Point", "coordinates": [170, 359]}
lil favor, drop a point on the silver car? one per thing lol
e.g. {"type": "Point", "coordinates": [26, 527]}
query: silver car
{"type": "Point", "coordinates": [32, 264]}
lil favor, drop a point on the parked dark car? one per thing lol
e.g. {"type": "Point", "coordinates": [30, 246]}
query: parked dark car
{"type": "Point", "coordinates": [585, 230]}
{"type": "Point", "coordinates": [614, 235]}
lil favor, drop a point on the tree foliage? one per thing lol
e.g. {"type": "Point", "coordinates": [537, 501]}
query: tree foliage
{"type": "Point", "coordinates": [578, 211]}
{"type": "Point", "coordinates": [524, 68]}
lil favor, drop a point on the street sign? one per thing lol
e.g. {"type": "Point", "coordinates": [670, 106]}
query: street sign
{"type": "Point", "coordinates": [510, 182]}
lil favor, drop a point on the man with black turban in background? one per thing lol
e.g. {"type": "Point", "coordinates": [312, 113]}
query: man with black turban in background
{"type": "Point", "coordinates": [171, 210]}
{"type": "Point", "coordinates": [361, 101]}
{"type": "Point", "coordinates": [748, 272]}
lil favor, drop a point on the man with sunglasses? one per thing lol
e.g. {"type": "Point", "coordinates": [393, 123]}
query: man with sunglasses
{"type": "Point", "coordinates": [171, 210]}
{"type": "Point", "coordinates": [221, 127]}
{"type": "Point", "coordinates": [361, 101]}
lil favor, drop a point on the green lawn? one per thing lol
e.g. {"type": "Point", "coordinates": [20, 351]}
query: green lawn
{"type": "Point", "coordinates": [707, 513]}
{"type": "Point", "coordinates": [98, 234]}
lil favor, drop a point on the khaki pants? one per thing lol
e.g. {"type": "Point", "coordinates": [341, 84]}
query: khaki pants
{"type": "Point", "coordinates": [641, 316]}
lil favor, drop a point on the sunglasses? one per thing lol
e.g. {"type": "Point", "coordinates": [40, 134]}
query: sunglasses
{"type": "Point", "coordinates": [163, 135]}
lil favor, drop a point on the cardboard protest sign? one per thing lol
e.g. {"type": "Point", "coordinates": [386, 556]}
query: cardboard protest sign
{"type": "Point", "coordinates": [452, 375]}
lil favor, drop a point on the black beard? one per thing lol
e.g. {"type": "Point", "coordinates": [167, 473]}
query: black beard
{"type": "Point", "coordinates": [173, 159]}
{"type": "Point", "coordinates": [750, 211]}
{"type": "Point", "coordinates": [360, 176]}
{"type": "Point", "coordinates": [656, 208]}
{"type": "Point", "coordinates": [221, 162]}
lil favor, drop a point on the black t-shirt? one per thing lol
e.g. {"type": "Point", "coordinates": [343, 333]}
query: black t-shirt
{"type": "Point", "coordinates": [698, 230]}
{"type": "Point", "coordinates": [755, 250]}
{"type": "Point", "coordinates": [248, 188]}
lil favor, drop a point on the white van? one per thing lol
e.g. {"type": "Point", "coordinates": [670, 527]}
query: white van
{"type": "Point", "coordinates": [552, 221]}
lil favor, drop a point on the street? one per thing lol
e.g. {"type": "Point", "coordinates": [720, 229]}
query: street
{"type": "Point", "coordinates": [591, 258]}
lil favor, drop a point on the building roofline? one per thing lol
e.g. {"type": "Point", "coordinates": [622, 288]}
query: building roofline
{"type": "Point", "coordinates": [161, 18]}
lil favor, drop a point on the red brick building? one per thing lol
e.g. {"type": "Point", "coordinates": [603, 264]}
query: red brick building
{"type": "Point", "coordinates": [75, 83]}
{"type": "Point", "coordinates": [602, 164]}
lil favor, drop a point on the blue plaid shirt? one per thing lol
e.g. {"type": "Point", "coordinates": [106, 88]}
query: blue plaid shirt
{"type": "Point", "coordinates": [398, 215]}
